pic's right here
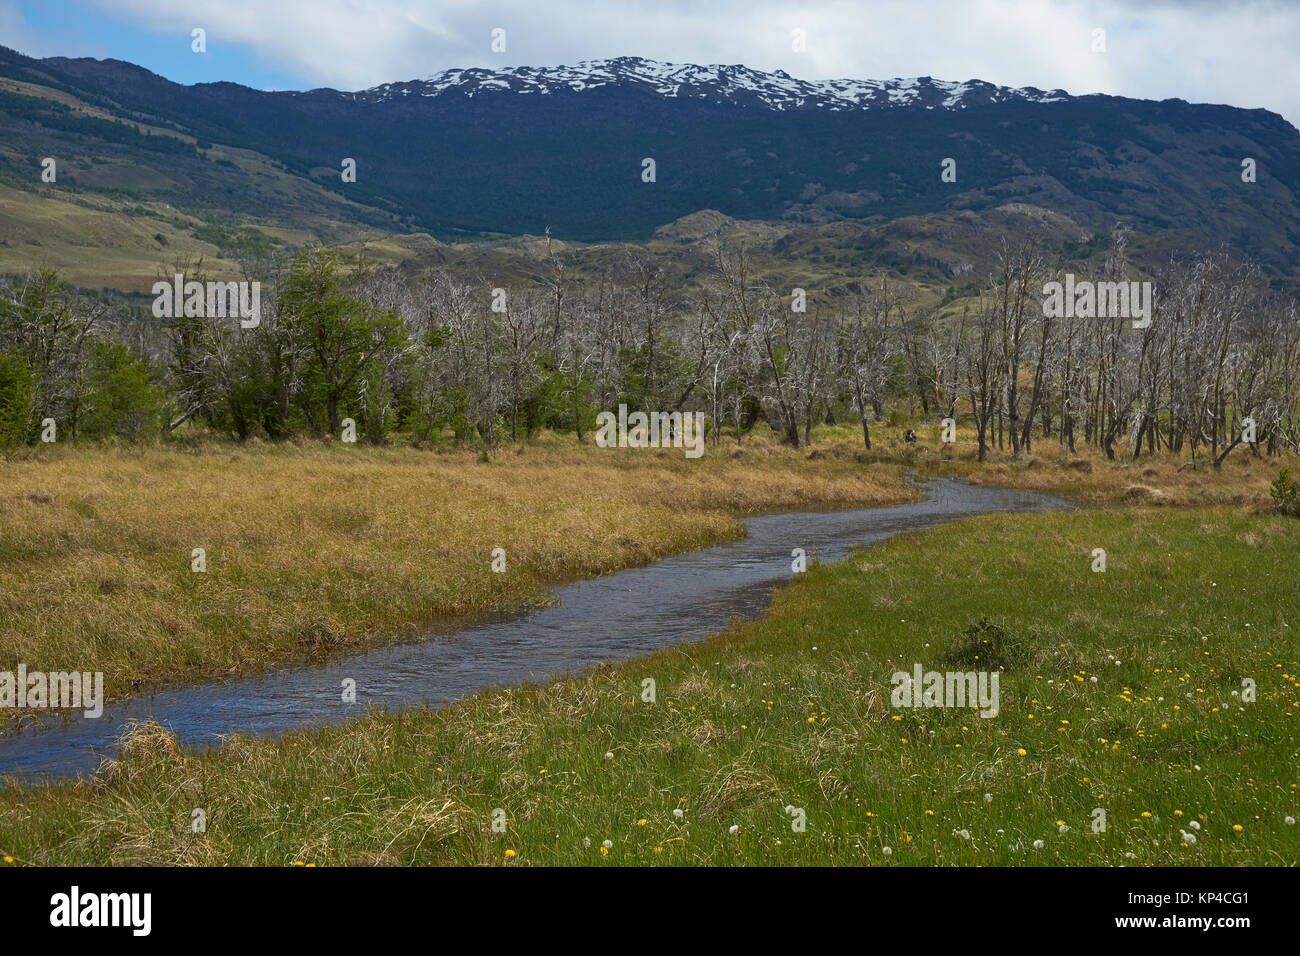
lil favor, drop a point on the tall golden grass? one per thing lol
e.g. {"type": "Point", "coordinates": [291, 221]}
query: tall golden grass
{"type": "Point", "coordinates": [310, 550]}
{"type": "Point", "coordinates": [1086, 474]}
{"type": "Point", "coordinates": [315, 549]}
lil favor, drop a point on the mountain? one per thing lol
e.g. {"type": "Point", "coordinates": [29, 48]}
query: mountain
{"type": "Point", "coordinates": [737, 85]}
{"type": "Point", "coordinates": [471, 153]}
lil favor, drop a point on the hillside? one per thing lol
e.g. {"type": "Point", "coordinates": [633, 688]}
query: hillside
{"type": "Point", "coordinates": [148, 168]}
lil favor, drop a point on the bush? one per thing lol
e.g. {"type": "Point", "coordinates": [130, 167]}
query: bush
{"type": "Point", "coordinates": [15, 400]}
{"type": "Point", "coordinates": [123, 400]}
{"type": "Point", "coordinates": [1286, 494]}
{"type": "Point", "coordinates": [989, 645]}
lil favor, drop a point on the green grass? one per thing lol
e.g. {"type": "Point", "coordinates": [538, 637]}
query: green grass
{"type": "Point", "coordinates": [794, 710]}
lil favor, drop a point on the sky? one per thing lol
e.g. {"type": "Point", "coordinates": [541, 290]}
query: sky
{"type": "Point", "coordinates": [1238, 52]}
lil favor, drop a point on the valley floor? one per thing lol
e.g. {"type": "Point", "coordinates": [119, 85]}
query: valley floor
{"type": "Point", "coordinates": [311, 551]}
{"type": "Point", "coordinates": [1123, 691]}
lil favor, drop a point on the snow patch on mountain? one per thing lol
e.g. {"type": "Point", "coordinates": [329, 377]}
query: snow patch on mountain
{"type": "Point", "coordinates": [734, 84]}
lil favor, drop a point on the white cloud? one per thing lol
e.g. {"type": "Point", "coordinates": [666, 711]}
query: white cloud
{"type": "Point", "coordinates": [17, 35]}
{"type": "Point", "coordinates": [1224, 52]}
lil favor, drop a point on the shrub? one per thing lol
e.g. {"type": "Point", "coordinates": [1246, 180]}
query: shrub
{"type": "Point", "coordinates": [989, 645]}
{"type": "Point", "coordinates": [122, 400]}
{"type": "Point", "coordinates": [15, 400]}
{"type": "Point", "coordinates": [1286, 494]}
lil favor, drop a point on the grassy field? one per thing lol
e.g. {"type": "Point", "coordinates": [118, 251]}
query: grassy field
{"type": "Point", "coordinates": [319, 549]}
{"type": "Point", "coordinates": [1120, 691]}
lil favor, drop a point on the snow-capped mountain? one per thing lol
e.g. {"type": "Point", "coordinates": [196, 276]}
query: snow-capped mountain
{"type": "Point", "coordinates": [735, 84]}
{"type": "Point", "coordinates": [615, 149]}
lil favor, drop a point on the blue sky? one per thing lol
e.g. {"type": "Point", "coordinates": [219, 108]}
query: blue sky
{"type": "Point", "coordinates": [1238, 52]}
{"type": "Point", "coordinates": [81, 28]}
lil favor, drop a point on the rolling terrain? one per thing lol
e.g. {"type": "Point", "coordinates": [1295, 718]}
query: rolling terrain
{"type": "Point", "coordinates": [841, 176]}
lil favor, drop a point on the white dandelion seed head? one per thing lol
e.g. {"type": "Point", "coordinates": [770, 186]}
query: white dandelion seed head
{"type": "Point", "coordinates": [887, 851]}
{"type": "Point", "coordinates": [608, 844]}
{"type": "Point", "coordinates": [1038, 844]}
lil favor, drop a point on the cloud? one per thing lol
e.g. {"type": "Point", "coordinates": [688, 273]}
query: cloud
{"type": "Point", "coordinates": [16, 34]}
{"type": "Point", "coordinates": [1223, 52]}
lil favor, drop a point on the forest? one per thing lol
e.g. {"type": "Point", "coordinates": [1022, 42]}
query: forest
{"type": "Point", "coordinates": [443, 357]}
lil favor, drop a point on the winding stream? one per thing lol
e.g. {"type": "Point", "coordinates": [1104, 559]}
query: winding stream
{"type": "Point", "coordinates": [621, 615]}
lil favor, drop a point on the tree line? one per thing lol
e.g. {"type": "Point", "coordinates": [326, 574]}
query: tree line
{"type": "Point", "coordinates": [444, 357]}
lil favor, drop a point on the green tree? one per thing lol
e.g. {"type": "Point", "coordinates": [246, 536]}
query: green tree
{"type": "Point", "coordinates": [43, 320]}
{"type": "Point", "coordinates": [342, 334]}
{"type": "Point", "coordinates": [122, 398]}
{"type": "Point", "coordinates": [16, 394]}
